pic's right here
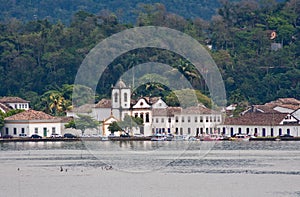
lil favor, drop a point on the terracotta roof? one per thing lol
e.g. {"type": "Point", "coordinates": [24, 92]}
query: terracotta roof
{"type": "Point", "coordinates": [4, 107]}
{"type": "Point", "coordinates": [103, 103]}
{"type": "Point", "coordinates": [260, 109]}
{"type": "Point", "coordinates": [289, 103]}
{"type": "Point", "coordinates": [120, 84]}
{"type": "Point", "coordinates": [197, 110]}
{"type": "Point", "coordinates": [151, 100]}
{"type": "Point", "coordinates": [66, 119]}
{"type": "Point", "coordinates": [31, 115]}
{"type": "Point", "coordinates": [86, 108]}
{"type": "Point", "coordinates": [174, 110]}
{"type": "Point", "coordinates": [12, 100]}
{"type": "Point", "coordinates": [256, 119]}
{"type": "Point", "coordinates": [170, 111]}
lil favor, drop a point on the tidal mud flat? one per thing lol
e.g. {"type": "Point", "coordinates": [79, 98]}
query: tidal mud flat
{"type": "Point", "coordinates": [266, 169]}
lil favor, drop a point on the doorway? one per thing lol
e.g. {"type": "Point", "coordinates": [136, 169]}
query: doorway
{"type": "Point", "coordinates": [45, 131]}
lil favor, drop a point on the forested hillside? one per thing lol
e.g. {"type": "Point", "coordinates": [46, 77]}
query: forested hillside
{"type": "Point", "coordinates": [39, 58]}
{"type": "Point", "coordinates": [125, 10]}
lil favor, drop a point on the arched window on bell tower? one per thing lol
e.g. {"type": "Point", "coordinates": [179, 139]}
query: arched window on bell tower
{"type": "Point", "coordinates": [116, 97]}
{"type": "Point", "coordinates": [125, 97]}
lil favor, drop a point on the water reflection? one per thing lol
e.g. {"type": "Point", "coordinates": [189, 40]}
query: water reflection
{"type": "Point", "coordinates": [41, 145]}
{"type": "Point", "coordinates": [180, 157]}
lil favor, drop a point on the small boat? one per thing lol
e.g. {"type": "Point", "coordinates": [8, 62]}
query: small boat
{"type": "Point", "coordinates": [191, 138]}
{"type": "Point", "coordinates": [169, 137]}
{"type": "Point", "coordinates": [158, 137]}
{"type": "Point", "coordinates": [240, 137]}
{"type": "Point", "coordinates": [211, 137]}
{"type": "Point", "coordinates": [178, 138]}
{"type": "Point", "coordinates": [104, 138]}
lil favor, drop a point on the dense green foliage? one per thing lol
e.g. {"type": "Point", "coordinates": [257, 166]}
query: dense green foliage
{"type": "Point", "coordinates": [38, 58]}
{"type": "Point", "coordinates": [126, 10]}
{"type": "Point", "coordinates": [114, 127]}
{"type": "Point", "coordinates": [125, 125]}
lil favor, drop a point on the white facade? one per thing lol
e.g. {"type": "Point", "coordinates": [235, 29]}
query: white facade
{"type": "Point", "coordinates": [162, 121]}
{"type": "Point", "coordinates": [24, 106]}
{"type": "Point", "coordinates": [31, 122]}
{"type": "Point", "coordinates": [121, 99]}
{"type": "Point", "coordinates": [262, 124]}
{"type": "Point", "coordinates": [43, 128]}
{"type": "Point", "coordinates": [296, 114]}
{"type": "Point", "coordinates": [106, 123]}
{"type": "Point", "coordinates": [15, 103]}
{"type": "Point", "coordinates": [197, 124]}
{"type": "Point", "coordinates": [142, 109]}
{"type": "Point", "coordinates": [260, 130]}
{"type": "Point", "coordinates": [192, 121]}
{"type": "Point", "coordinates": [97, 112]}
{"type": "Point", "coordinates": [101, 114]}
{"type": "Point", "coordinates": [160, 104]}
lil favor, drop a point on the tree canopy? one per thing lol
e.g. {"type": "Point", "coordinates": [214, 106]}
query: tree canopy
{"type": "Point", "coordinates": [126, 124]}
{"type": "Point", "coordinates": [83, 122]}
{"type": "Point", "coordinates": [39, 58]}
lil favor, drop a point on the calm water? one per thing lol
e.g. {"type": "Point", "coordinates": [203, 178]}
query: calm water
{"type": "Point", "coordinates": [182, 156]}
{"type": "Point", "coordinates": [236, 159]}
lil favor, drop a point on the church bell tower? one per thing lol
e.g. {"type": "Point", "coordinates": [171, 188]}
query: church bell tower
{"type": "Point", "coordinates": [120, 99]}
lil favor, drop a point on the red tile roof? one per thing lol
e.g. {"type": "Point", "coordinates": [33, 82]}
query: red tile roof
{"type": "Point", "coordinates": [12, 100]}
{"type": "Point", "coordinates": [4, 107]}
{"type": "Point", "coordinates": [197, 110]}
{"type": "Point", "coordinates": [260, 109]}
{"type": "Point", "coordinates": [86, 108]}
{"type": "Point", "coordinates": [32, 115]}
{"type": "Point", "coordinates": [289, 103]}
{"type": "Point", "coordinates": [170, 111]}
{"type": "Point", "coordinates": [259, 119]}
{"type": "Point", "coordinates": [103, 103]}
{"type": "Point", "coordinates": [149, 100]}
{"type": "Point", "coordinates": [66, 119]}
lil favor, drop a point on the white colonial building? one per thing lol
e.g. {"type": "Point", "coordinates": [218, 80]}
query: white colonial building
{"type": "Point", "coordinates": [272, 119]}
{"type": "Point", "coordinates": [99, 111]}
{"type": "Point", "coordinates": [13, 103]}
{"type": "Point", "coordinates": [193, 121]}
{"type": "Point", "coordinates": [31, 122]}
{"type": "Point", "coordinates": [157, 116]}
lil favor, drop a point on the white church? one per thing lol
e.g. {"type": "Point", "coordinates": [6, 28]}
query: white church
{"type": "Point", "coordinates": [157, 116]}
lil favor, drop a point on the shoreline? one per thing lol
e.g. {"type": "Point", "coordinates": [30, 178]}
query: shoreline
{"type": "Point", "coordinates": [127, 139]}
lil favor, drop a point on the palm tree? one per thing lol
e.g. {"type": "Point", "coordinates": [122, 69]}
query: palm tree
{"type": "Point", "coordinates": [54, 103]}
{"type": "Point", "coordinates": [190, 72]}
